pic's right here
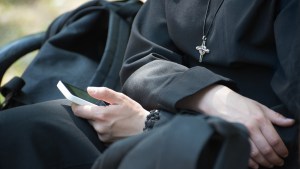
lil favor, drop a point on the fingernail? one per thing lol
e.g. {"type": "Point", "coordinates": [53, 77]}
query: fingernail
{"type": "Point", "coordinates": [289, 119]}
{"type": "Point", "coordinates": [91, 89]}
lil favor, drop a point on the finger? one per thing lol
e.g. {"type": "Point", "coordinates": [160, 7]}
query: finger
{"type": "Point", "coordinates": [87, 111]}
{"type": "Point", "coordinates": [264, 147]}
{"type": "Point", "coordinates": [97, 113]}
{"type": "Point", "coordinates": [274, 139]}
{"type": "Point", "coordinates": [103, 131]}
{"type": "Point", "coordinates": [105, 94]}
{"type": "Point", "coordinates": [106, 138]}
{"type": "Point", "coordinates": [253, 164]}
{"type": "Point", "coordinates": [277, 118]}
{"type": "Point", "coordinates": [257, 157]}
{"type": "Point", "coordinates": [102, 128]}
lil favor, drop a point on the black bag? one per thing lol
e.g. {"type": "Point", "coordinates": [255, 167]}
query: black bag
{"type": "Point", "coordinates": [84, 47]}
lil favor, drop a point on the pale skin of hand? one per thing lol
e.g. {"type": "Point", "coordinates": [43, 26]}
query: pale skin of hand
{"type": "Point", "coordinates": [267, 148]}
{"type": "Point", "coordinates": [123, 117]}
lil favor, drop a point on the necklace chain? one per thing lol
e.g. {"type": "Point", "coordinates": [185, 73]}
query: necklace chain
{"type": "Point", "coordinates": [203, 49]}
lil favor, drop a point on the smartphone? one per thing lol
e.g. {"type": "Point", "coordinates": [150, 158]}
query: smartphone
{"type": "Point", "coordinates": [77, 95]}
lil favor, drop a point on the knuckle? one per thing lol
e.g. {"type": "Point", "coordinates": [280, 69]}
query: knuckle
{"type": "Point", "coordinates": [267, 151]}
{"type": "Point", "coordinates": [100, 128]}
{"type": "Point", "coordinates": [254, 154]}
{"type": "Point", "coordinates": [105, 137]}
{"type": "Point", "coordinates": [122, 95]}
{"type": "Point", "coordinates": [75, 109]}
{"type": "Point", "coordinates": [251, 126]}
{"type": "Point", "coordinates": [260, 118]}
{"type": "Point", "coordinates": [274, 142]}
{"type": "Point", "coordinates": [105, 91]}
{"type": "Point", "coordinates": [252, 164]}
{"type": "Point", "coordinates": [101, 117]}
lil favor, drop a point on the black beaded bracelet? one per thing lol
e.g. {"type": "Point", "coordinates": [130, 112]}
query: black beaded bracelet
{"type": "Point", "coordinates": [151, 119]}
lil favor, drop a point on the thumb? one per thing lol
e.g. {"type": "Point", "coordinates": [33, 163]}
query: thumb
{"type": "Point", "coordinates": [92, 91]}
{"type": "Point", "coordinates": [278, 119]}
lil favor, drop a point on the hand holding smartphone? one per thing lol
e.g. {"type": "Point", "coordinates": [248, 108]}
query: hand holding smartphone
{"type": "Point", "coordinates": [77, 95]}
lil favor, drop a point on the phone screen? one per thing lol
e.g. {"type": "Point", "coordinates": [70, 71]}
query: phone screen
{"type": "Point", "coordinates": [83, 95]}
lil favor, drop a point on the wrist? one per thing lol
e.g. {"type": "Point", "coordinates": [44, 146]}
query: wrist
{"type": "Point", "coordinates": [203, 101]}
{"type": "Point", "coordinates": [208, 97]}
{"type": "Point", "coordinates": [138, 120]}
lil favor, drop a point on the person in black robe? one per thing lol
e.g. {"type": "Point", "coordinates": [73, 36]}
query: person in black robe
{"type": "Point", "coordinates": [161, 71]}
{"type": "Point", "coordinates": [234, 59]}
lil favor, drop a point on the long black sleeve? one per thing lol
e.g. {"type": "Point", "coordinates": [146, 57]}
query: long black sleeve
{"type": "Point", "coordinates": [154, 72]}
{"type": "Point", "coordinates": [286, 81]}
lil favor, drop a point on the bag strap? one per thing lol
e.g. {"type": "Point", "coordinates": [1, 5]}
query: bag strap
{"type": "Point", "coordinates": [10, 89]}
{"type": "Point", "coordinates": [16, 49]}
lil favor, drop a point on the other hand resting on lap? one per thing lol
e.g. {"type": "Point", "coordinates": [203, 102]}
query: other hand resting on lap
{"type": "Point", "coordinates": [267, 148]}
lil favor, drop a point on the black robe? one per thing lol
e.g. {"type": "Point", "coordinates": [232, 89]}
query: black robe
{"type": "Point", "coordinates": [48, 135]}
{"type": "Point", "coordinates": [254, 49]}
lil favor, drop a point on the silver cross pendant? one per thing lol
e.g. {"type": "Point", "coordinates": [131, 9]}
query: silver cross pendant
{"type": "Point", "coordinates": [202, 49]}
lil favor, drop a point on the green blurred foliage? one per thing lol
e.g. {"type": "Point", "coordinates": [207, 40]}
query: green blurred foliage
{"type": "Point", "coordinates": [17, 2]}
